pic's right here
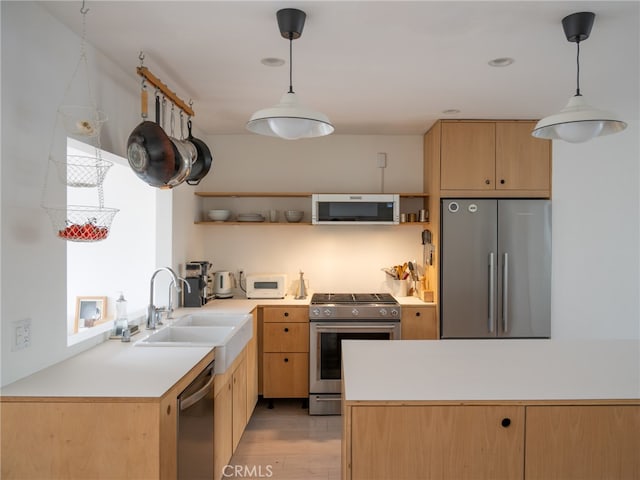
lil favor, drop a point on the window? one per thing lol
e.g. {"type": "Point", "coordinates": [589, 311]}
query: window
{"type": "Point", "coordinates": [125, 260]}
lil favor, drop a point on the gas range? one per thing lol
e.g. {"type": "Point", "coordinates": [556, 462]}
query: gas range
{"type": "Point", "coordinates": [354, 306]}
{"type": "Point", "coordinates": [335, 317]}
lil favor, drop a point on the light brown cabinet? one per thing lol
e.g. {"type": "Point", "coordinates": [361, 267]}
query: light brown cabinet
{"type": "Point", "coordinates": [446, 442]}
{"type": "Point", "coordinates": [468, 156]}
{"type": "Point", "coordinates": [92, 437]}
{"type": "Point", "coordinates": [585, 442]}
{"type": "Point", "coordinates": [493, 159]}
{"type": "Point", "coordinates": [285, 357]}
{"type": "Point", "coordinates": [419, 323]}
{"type": "Point", "coordinates": [230, 412]}
{"type": "Point", "coordinates": [581, 440]}
{"type": "Point", "coordinates": [239, 402]}
{"type": "Point", "coordinates": [222, 426]}
{"type": "Point", "coordinates": [252, 368]}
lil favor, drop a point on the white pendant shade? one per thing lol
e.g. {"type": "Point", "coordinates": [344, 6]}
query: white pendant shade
{"type": "Point", "coordinates": [578, 122]}
{"type": "Point", "coordinates": [289, 120]}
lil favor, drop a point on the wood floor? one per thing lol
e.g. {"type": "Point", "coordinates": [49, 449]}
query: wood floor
{"type": "Point", "coordinates": [285, 443]}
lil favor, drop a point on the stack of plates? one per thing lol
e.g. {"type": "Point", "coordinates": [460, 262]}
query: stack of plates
{"type": "Point", "coordinates": [250, 217]}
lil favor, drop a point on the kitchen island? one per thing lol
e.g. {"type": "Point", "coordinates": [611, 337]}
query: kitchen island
{"type": "Point", "coordinates": [491, 409]}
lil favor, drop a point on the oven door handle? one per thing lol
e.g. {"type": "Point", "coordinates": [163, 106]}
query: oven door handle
{"type": "Point", "coordinates": [328, 398]}
{"type": "Point", "coordinates": [327, 327]}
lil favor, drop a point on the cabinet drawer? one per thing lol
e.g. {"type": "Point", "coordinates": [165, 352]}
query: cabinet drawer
{"type": "Point", "coordinates": [419, 323]}
{"type": "Point", "coordinates": [286, 375]}
{"type": "Point", "coordinates": [285, 337]}
{"type": "Point", "coordinates": [285, 314]}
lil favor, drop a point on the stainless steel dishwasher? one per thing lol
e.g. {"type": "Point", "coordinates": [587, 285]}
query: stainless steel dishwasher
{"type": "Point", "coordinates": [195, 428]}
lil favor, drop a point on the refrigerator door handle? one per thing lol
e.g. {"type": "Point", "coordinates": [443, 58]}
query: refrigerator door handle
{"type": "Point", "coordinates": [492, 325]}
{"type": "Point", "coordinates": [505, 293]}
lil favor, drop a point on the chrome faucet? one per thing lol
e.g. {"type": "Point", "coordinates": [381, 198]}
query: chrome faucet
{"type": "Point", "coordinates": [171, 285]}
{"type": "Point", "coordinates": [153, 312]}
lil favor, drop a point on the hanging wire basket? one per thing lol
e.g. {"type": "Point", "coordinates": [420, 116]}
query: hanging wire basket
{"type": "Point", "coordinates": [78, 223]}
{"type": "Point", "coordinates": [82, 170]}
{"type": "Point", "coordinates": [82, 121]}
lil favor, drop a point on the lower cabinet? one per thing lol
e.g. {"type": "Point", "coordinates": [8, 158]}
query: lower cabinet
{"type": "Point", "coordinates": [285, 352]}
{"type": "Point", "coordinates": [286, 375]}
{"type": "Point", "coordinates": [252, 368]}
{"type": "Point", "coordinates": [239, 402]}
{"type": "Point", "coordinates": [437, 442]}
{"type": "Point", "coordinates": [583, 442]}
{"type": "Point", "coordinates": [92, 437]}
{"type": "Point", "coordinates": [229, 412]}
{"type": "Point", "coordinates": [222, 427]}
{"type": "Point", "coordinates": [488, 442]}
{"type": "Point", "coordinates": [419, 323]}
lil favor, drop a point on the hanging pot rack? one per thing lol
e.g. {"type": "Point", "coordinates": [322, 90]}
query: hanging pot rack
{"type": "Point", "coordinates": [156, 82]}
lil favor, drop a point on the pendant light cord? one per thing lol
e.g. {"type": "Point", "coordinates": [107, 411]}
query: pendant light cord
{"type": "Point", "coordinates": [578, 94]}
{"type": "Point", "coordinates": [291, 62]}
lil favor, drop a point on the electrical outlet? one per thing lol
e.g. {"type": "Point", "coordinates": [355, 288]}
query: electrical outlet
{"type": "Point", "coordinates": [382, 160]}
{"type": "Point", "coordinates": [21, 334]}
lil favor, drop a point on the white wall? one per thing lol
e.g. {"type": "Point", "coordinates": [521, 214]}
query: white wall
{"type": "Point", "coordinates": [38, 57]}
{"type": "Point", "coordinates": [596, 239]}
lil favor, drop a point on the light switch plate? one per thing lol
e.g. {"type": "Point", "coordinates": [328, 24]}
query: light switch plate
{"type": "Point", "coordinates": [21, 334]}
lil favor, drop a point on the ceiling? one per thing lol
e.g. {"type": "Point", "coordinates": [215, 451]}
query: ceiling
{"type": "Point", "coordinates": [373, 67]}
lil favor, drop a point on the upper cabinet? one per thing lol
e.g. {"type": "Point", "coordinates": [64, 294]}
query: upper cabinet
{"type": "Point", "coordinates": [493, 158]}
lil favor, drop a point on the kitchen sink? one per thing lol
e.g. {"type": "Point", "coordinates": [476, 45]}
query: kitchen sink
{"type": "Point", "coordinates": [227, 333]}
{"type": "Point", "coordinates": [175, 336]}
{"type": "Point", "coordinates": [209, 319]}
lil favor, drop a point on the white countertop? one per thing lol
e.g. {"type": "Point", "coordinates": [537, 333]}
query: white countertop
{"type": "Point", "coordinates": [117, 369]}
{"type": "Point", "coordinates": [111, 369]}
{"type": "Point", "coordinates": [472, 370]}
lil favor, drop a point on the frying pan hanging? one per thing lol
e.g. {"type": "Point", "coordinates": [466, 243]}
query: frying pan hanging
{"type": "Point", "coordinates": [203, 161]}
{"type": "Point", "coordinates": [151, 154]}
{"type": "Point", "coordinates": [183, 157]}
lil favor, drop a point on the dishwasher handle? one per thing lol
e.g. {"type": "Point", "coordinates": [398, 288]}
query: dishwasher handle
{"type": "Point", "coordinates": [185, 403]}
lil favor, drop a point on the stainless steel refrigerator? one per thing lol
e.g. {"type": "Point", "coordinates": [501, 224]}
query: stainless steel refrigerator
{"type": "Point", "coordinates": [495, 268]}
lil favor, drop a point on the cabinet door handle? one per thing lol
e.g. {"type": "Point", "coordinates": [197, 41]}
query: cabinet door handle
{"type": "Point", "coordinates": [487, 181]}
{"type": "Point", "coordinates": [502, 182]}
{"type": "Point", "coordinates": [505, 422]}
{"type": "Point", "coordinates": [286, 329]}
{"type": "Point", "coordinates": [417, 314]}
{"type": "Point", "coordinates": [286, 314]}
{"type": "Point", "coordinates": [286, 360]}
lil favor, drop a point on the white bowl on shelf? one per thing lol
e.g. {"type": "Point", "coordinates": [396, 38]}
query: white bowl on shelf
{"type": "Point", "coordinates": [293, 216]}
{"type": "Point", "coordinates": [219, 215]}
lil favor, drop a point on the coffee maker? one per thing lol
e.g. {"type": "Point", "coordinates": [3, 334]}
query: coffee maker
{"type": "Point", "coordinates": [198, 277]}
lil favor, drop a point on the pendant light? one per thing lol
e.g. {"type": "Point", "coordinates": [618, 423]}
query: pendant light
{"type": "Point", "coordinates": [578, 121]}
{"type": "Point", "coordinates": [289, 119]}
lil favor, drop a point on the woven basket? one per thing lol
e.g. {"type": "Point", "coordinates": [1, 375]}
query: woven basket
{"type": "Point", "coordinates": [79, 223]}
{"type": "Point", "coordinates": [82, 171]}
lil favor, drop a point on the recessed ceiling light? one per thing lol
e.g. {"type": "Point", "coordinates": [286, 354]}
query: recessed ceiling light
{"type": "Point", "coordinates": [451, 111]}
{"type": "Point", "coordinates": [501, 62]}
{"type": "Point", "coordinates": [272, 62]}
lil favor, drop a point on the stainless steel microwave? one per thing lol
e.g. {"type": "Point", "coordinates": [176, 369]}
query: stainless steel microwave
{"type": "Point", "coordinates": [350, 209]}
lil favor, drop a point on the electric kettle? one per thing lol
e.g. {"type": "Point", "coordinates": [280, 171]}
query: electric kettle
{"type": "Point", "coordinates": [223, 284]}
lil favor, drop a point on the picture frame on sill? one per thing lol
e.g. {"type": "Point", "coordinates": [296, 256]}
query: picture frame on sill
{"type": "Point", "coordinates": [90, 311]}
